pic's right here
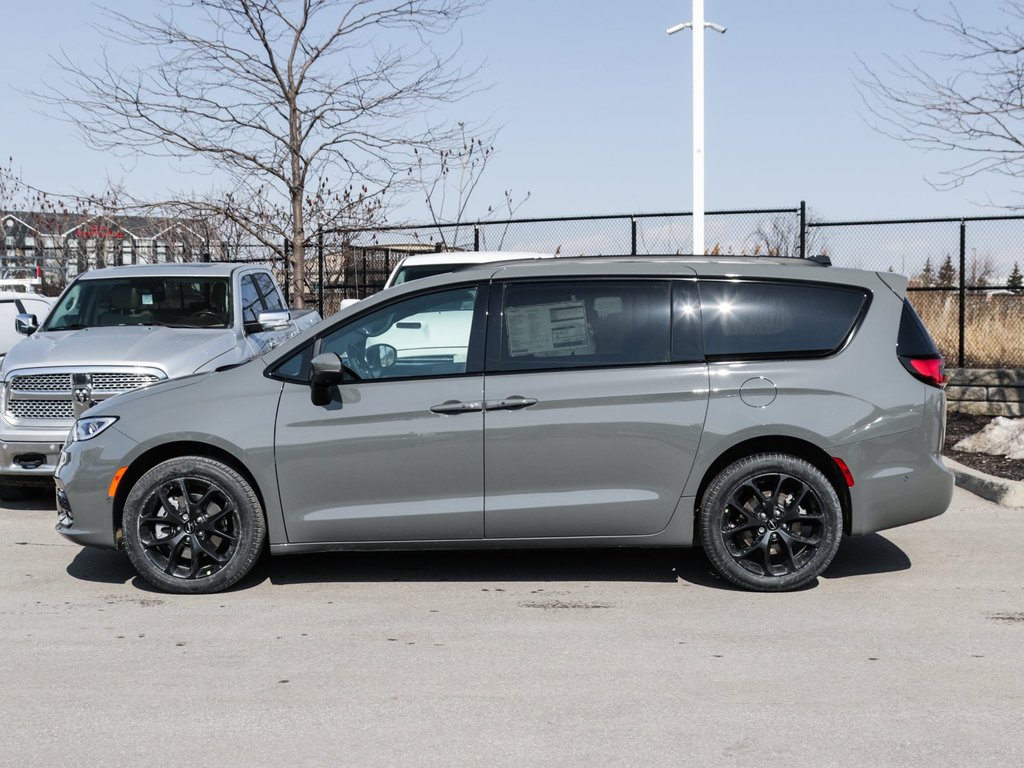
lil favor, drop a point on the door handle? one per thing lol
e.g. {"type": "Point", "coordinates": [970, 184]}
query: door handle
{"type": "Point", "coordinates": [513, 403]}
{"type": "Point", "coordinates": [452, 407]}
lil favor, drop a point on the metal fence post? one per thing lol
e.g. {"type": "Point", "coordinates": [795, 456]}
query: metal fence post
{"type": "Point", "coordinates": [963, 291]}
{"type": "Point", "coordinates": [287, 280]}
{"type": "Point", "coordinates": [320, 272]}
{"type": "Point", "coordinates": [632, 236]}
{"type": "Point", "coordinates": [803, 229]}
{"type": "Point", "coordinates": [476, 237]}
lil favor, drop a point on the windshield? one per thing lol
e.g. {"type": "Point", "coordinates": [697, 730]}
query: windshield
{"type": "Point", "coordinates": [180, 302]}
{"type": "Point", "coordinates": [405, 273]}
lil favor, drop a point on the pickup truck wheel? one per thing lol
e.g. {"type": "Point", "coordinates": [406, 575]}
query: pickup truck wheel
{"type": "Point", "coordinates": [193, 525]}
{"type": "Point", "coordinates": [771, 522]}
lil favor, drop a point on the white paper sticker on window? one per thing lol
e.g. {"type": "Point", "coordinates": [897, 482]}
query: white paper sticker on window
{"type": "Point", "coordinates": [548, 329]}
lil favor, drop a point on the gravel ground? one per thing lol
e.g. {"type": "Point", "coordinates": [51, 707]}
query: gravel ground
{"type": "Point", "coordinates": [959, 426]}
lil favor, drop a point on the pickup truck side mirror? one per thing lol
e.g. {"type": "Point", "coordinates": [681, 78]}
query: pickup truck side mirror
{"type": "Point", "coordinates": [327, 372]}
{"type": "Point", "coordinates": [277, 320]}
{"type": "Point", "coordinates": [26, 324]}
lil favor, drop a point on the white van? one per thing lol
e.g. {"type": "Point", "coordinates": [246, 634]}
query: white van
{"type": "Point", "coordinates": [430, 264]}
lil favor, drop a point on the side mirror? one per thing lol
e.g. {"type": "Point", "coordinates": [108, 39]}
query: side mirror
{"type": "Point", "coordinates": [380, 356]}
{"type": "Point", "coordinates": [26, 324]}
{"type": "Point", "coordinates": [327, 372]}
{"type": "Point", "coordinates": [274, 321]}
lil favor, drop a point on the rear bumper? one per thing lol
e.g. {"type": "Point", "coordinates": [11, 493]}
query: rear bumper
{"type": "Point", "coordinates": [896, 482]}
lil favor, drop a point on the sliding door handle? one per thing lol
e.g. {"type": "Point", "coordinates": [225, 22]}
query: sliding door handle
{"type": "Point", "coordinates": [452, 407]}
{"type": "Point", "coordinates": [513, 403]}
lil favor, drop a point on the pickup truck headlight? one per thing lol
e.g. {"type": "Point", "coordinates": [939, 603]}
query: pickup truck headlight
{"type": "Point", "coordinates": [90, 426]}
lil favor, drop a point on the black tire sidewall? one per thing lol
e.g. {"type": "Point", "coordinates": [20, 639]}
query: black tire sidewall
{"type": "Point", "coordinates": [252, 525]}
{"type": "Point", "coordinates": [743, 470]}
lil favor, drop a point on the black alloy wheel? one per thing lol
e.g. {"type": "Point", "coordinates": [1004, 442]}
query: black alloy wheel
{"type": "Point", "coordinates": [771, 522]}
{"type": "Point", "coordinates": [193, 525]}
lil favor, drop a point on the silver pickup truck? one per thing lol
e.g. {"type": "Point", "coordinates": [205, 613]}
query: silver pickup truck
{"type": "Point", "coordinates": [118, 329]}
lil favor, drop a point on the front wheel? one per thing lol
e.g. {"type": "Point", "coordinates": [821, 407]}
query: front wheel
{"type": "Point", "coordinates": [771, 522]}
{"type": "Point", "coordinates": [193, 525]}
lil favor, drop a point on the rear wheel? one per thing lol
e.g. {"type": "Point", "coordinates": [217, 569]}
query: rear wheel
{"type": "Point", "coordinates": [193, 525]}
{"type": "Point", "coordinates": [771, 522]}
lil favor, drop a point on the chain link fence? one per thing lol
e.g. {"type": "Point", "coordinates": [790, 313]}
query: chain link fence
{"type": "Point", "coordinates": [965, 277]}
{"type": "Point", "coordinates": [965, 273]}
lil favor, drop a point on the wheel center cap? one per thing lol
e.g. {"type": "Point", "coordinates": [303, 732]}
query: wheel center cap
{"type": "Point", "coordinates": [190, 526]}
{"type": "Point", "coordinates": [772, 524]}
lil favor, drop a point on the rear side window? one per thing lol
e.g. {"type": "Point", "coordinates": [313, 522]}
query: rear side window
{"type": "Point", "coordinates": [914, 339]}
{"type": "Point", "coordinates": [766, 320]}
{"type": "Point", "coordinates": [575, 324]}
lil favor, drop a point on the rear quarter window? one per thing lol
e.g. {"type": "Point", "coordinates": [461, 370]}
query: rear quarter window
{"type": "Point", "coordinates": [771, 319]}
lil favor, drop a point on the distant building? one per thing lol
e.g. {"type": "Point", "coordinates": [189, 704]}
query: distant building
{"type": "Point", "coordinates": [58, 246]}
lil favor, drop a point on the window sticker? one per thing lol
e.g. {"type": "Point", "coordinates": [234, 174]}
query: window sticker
{"type": "Point", "coordinates": [147, 299]}
{"type": "Point", "coordinates": [548, 329]}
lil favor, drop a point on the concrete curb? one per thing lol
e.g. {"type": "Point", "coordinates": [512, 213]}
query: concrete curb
{"type": "Point", "coordinates": [1006, 493]}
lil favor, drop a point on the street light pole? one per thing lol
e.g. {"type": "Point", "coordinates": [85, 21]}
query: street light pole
{"type": "Point", "coordinates": [697, 25]}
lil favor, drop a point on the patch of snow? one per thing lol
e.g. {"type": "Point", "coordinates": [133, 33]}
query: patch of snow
{"type": "Point", "coordinates": [1002, 437]}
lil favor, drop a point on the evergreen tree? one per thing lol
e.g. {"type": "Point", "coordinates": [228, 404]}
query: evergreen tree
{"type": "Point", "coordinates": [927, 277]}
{"type": "Point", "coordinates": [947, 273]}
{"type": "Point", "coordinates": [1016, 280]}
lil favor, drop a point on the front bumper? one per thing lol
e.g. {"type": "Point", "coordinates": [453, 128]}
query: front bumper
{"type": "Point", "coordinates": [86, 515]}
{"type": "Point", "coordinates": [29, 460]}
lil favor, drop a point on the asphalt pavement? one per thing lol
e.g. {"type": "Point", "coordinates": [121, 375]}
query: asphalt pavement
{"type": "Point", "coordinates": [908, 652]}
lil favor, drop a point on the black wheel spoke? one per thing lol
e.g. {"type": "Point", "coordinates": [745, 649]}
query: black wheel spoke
{"type": "Point", "coordinates": [153, 541]}
{"type": "Point", "coordinates": [173, 513]}
{"type": "Point", "coordinates": [739, 554]}
{"type": "Point", "coordinates": [174, 556]}
{"type": "Point", "coordinates": [784, 543]}
{"type": "Point", "coordinates": [228, 508]}
{"type": "Point", "coordinates": [210, 551]}
{"type": "Point", "coordinates": [789, 536]}
{"type": "Point", "coordinates": [196, 562]}
{"type": "Point", "coordinates": [752, 494]}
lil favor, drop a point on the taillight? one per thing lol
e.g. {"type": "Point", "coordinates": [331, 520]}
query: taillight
{"type": "Point", "coordinates": [845, 470]}
{"type": "Point", "coordinates": [930, 370]}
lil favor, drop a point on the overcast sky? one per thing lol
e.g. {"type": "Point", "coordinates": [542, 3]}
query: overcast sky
{"type": "Point", "coordinates": [593, 100]}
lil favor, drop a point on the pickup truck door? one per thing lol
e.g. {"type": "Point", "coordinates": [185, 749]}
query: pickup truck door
{"type": "Point", "coordinates": [397, 454]}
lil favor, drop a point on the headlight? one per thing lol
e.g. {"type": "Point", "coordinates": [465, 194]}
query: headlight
{"type": "Point", "coordinates": [90, 426]}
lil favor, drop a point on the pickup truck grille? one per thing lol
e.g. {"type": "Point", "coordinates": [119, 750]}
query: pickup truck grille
{"type": "Point", "coordinates": [61, 396]}
{"type": "Point", "coordinates": [41, 409]}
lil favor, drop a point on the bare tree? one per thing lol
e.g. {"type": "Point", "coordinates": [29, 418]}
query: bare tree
{"type": "Point", "coordinates": [967, 100]}
{"type": "Point", "coordinates": [448, 177]}
{"type": "Point", "coordinates": [780, 236]}
{"type": "Point", "coordinates": [277, 96]}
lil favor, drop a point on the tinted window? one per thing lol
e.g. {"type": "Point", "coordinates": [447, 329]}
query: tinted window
{"type": "Point", "coordinates": [568, 324]}
{"type": "Point", "coordinates": [251, 305]}
{"type": "Point", "coordinates": [913, 339]}
{"type": "Point", "coordinates": [760, 319]}
{"type": "Point", "coordinates": [271, 298]}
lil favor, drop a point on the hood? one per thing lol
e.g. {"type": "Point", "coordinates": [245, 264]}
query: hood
{"type": "Point", "coordinates": [176, 351]}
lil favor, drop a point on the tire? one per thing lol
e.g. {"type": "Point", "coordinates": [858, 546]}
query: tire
{"type": "Point", "coordinates": [205, 547]}
{"type": "Point", "coordinates": [771, 522]}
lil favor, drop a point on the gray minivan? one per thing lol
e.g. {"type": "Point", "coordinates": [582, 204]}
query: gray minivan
{"type": "Point", "coordinates": [761, 408]}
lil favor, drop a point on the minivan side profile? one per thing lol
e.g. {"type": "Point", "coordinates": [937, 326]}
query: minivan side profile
{"type": "Point", "coordinates": [762, 409]}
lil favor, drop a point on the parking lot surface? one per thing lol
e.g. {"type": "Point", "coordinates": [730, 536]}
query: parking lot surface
{"type": "Point", "coordinates": [908, 652]}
